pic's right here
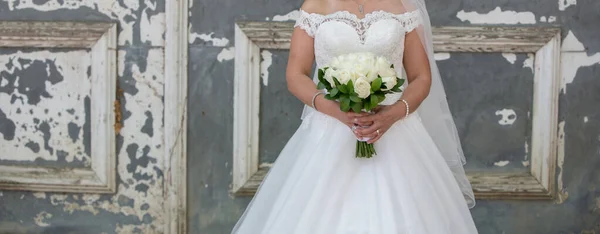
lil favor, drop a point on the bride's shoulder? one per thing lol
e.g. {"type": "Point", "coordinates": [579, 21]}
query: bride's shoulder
{"type": "Point", "coordinates": [315, 6]}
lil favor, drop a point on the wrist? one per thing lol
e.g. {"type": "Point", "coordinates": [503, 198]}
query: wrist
{"type": "Point", "coordinates": [399, 110]}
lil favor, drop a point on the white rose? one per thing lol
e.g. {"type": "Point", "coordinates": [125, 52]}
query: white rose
{"type": "Point", "coordinates": [361, 69]}
{"type": "Point", "coordinates": [344, 76]}
{"type": "Point", "coordinates": [329, 74]}
{"type": "Point", "coordinates": [382, 64]}
{"type": "Point", "coordinates": [389, 82]}
{"type": "Point", "coordinates": [362, 87]}
{"type": "Point", "coordinates": [335, 63]}
{"type": "Point", "coordinates": [387, 72]}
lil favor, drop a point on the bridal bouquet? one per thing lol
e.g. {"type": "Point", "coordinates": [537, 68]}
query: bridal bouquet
{"type": "Point", "coordinates": [359, 82]}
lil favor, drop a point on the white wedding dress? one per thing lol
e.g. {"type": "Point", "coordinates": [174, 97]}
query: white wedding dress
{"type": "Point", "coordinates": [317, 186]}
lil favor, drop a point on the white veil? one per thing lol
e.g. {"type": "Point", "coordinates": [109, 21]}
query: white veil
{"type": "Point", "coordinates": [434, 110]}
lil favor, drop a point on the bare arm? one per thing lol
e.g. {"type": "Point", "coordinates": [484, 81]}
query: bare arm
{"type": "Point", "coordinates": [301, 85]}
{"type": "Point", "coordinates": [418, 71]}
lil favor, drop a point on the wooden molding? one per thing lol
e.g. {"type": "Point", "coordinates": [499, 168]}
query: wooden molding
{"type": "Point", "coordinates": [539, 183]}
{"type": "Point", "coordinates": [101, 38]}
{"type": "Point", "coordinates": [175, 117]}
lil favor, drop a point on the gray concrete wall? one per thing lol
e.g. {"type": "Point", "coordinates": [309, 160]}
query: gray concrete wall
{"type": "Point", "coordinates": [490, 95]}
{"type": "Point", "coordinates": [44, 120]}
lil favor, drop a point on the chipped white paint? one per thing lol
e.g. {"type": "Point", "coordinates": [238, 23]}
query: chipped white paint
{"type": "Point", "coordinates": [510, 57]}
{"type": "Point", "coordinates": [501, 163]}
{"type": "Point", "coordinates": [525, 163]}
{"type": "Point", "coordinates": [266, 61]}
{"type": "Point", "coordinates": [509, 116]}
{"type": "Point", "coordinates": [551, 19]}
{"type": "Point", "coordinates": [226, 54]}
{"type": "Point", "coordinates": [150, 32]}
{"type": "Point", "coordinates": [572, 61]}
{"type": "Point", "coordinates": [41, 219]}
{"type": "Point", "coordinates": [585, 119]}
{"type": "Point", "coordinates": [66, 97]}
{"type": "Point", "coordinates": [39, 195]}
{"type": "Point", "coordinates": [572, 44]}
{"type": "Point", "coordinates": [562, 190]}
{"type": "Point", "coordinates": [529, 62]}
{"type": "Point", "coordinates": [543, 19]}
{"type": "Point", "coordinates": [497, 16]}
{"type": "Point", "coordinates": [564, 4]}
{"type": "Point", "coordinates": [218, 42]}
{"type": "Point", "coordinates": [291, 16]}
{"type": "Point", "coordinates": [441, 56]}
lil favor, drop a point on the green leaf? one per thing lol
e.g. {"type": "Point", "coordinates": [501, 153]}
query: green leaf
{"type": "Point", "coordinates": [376, 84]}
{"type": "Point", "coordinates": [400, 81]}
{"type": "Point", "coordinates": [329, 97]}
{"type": "Point", "coordinates": [392, 65]}
{"type": "Point", "coordinates": [380, 98]}
{"type": "Point", "coordinates": [333, 92]}
{"type": "Point", "coordinates": [355, 98]}
{"type": "Point", "coordinates": [345, 105]}
{"type": "Point", "coordinates": [357, 107]}
{"type": "Point", "coordinates": [321, 73]}
{"type": "Point", "coordinates": [321, 86]}
{"type": "Point", "coordinates": [350, 87]}
{"type": "Point", "coordinates": [336, 81]}
{"type": "Point", "coordinates": [325, 83]}
{"type": "Point", "coordinates": [342, 88]}
{"type": "Point", "coordinates": [374, 101]}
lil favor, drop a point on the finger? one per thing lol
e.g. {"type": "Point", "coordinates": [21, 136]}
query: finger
{"type": "Point", "coordinates": [370, 130]}
{"type": "Point", "coordinates": [375, 139]}
{"type": "Point", "coordinates": [368, 118]}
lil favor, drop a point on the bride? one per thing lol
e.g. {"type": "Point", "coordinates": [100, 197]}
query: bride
{"type": "Point", "coordinates": [415, 184]}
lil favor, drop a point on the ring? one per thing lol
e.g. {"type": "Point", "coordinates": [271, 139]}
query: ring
{"type": "Point", "coordinates": [377, 131]}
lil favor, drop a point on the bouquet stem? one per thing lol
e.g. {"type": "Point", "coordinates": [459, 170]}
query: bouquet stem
{"type": "Point", "coordinates": [364, 150]}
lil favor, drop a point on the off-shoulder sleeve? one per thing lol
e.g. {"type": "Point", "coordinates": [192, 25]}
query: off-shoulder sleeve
{"type": "Point", "coordinates": [411, 20]}
{"type": "Point", "coordinates": [306, 23]}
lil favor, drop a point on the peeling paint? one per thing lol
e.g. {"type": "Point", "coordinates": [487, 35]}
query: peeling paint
{"type": "Point", "coordinates": [562, 193]}
{"type": "Point", "coordinates": [571, 43]}
{"type": "Point", "coordinates": [441, 56]}
{"type": "Point", "coordinates": [571, 62]}
{"type": "Point", "coordinates": [267, 60]}
{"type": "Point", "coordinates": [41, 219]}
{"type": "Point", "coordinates": [291, 16]}
{"type": "Point", "coordinates": [226, 54]}
{"type": "Point", "coordinates": [152, 29]}
{"type": "Point", "coordinates": [528, 63]}
{"type": "Point", "coordinates": [585, 119]}
{"type": "Point", "coordinates": [219, 42]}
{"type": "Point", "coordinates": [564, 4]}
{"type": "Point", "coordinates": [510, 57]}
{"type": "Point", "coordinates": [501, 163]}
{"type": "Point", "coordinates": [509, 116]}
{"type": "Point", "coordinates": [45, 133]}
{"type": "Point", "coordinates": [497, 16]}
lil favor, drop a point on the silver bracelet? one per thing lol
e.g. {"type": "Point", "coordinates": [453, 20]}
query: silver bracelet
{"type": "Point", "coordinates": [407, 107]}
{"type": "Point", "coordinates": [314, 98]}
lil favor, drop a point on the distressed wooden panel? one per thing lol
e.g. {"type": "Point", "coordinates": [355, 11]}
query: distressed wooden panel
{"type": "Point", "coordinates": [277, 35]}
{"type": "Point", "coordinates": [101, 38]}
{"type": "Point", "coordinates": [543, 41]}
{"type": "Point", "coordinates": [27, 34]}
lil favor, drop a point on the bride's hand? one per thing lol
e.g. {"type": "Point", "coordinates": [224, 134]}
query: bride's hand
{"type": "Point", "coordinates": [382, 120]}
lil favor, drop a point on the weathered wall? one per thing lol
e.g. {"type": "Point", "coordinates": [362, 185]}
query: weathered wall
{"type": "Point", "coordinates": [490, 95]}
{"type": "Point", "coordinates": [44, 120]}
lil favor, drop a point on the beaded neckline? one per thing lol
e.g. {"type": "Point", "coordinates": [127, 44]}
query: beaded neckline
{"type": "Point", "coordinates": [360, 25]}
{"type": "Point", "coordinates": [367, 15]}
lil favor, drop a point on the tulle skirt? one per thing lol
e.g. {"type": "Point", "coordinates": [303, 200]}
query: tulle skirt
{"type": "Point", "coordinates": [317, 186]}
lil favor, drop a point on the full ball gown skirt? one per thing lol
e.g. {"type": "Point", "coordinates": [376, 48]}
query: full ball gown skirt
{"type": "Point", "coordinates": [317, 186]}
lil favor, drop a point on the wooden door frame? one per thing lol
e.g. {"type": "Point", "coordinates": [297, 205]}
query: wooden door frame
{"type": "Point", "coordinates": [175, 117]}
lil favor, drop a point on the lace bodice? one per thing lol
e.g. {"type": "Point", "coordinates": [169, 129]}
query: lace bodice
{"type": "Point", "coordinates": [379, 32]}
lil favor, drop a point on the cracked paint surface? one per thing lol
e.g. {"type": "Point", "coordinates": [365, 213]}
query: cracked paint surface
{"type": "Point", "coordinates": [45, 106]}
{"type": "Point", "coordinates": [137, 207]}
